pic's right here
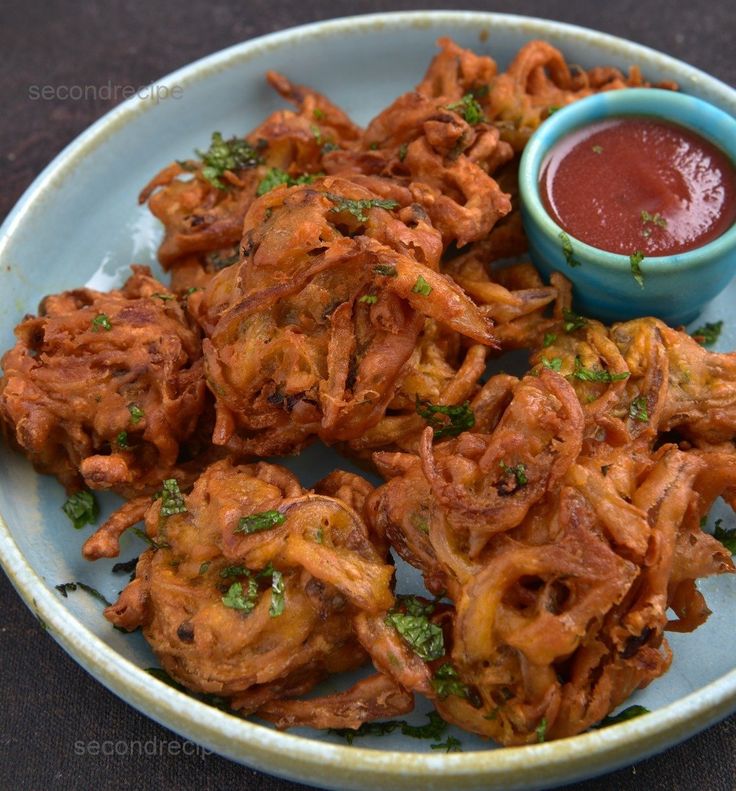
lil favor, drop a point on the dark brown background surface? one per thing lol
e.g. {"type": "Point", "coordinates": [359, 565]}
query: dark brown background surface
{"type": "Point", "coordinates": [46, 701]}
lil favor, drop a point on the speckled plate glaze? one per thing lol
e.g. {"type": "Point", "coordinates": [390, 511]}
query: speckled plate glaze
{"type": "Point", "coordinates": [79, 222]}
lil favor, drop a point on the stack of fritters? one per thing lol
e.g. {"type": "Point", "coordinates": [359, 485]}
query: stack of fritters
{"type": "Point", "coordinates": [343, 284]}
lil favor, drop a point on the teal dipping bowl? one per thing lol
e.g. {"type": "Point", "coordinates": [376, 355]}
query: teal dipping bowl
{"type": "Point", "coordinates": [676, 287]}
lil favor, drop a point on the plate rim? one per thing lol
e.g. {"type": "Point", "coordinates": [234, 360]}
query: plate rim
{"type": "Point", "coordinates": [300, 757]}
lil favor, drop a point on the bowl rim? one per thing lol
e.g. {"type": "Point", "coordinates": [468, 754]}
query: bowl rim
{"type": "Point", "coordinates": [653, 103]}
{"type": "Point", "coordinates": [299, 757]}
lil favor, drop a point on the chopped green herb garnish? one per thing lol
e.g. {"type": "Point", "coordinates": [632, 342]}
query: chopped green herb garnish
{"type": "Point", "coordinates": [172, 500]}
{"type": "Point", "coordinates": [638, 409]}
{"type": "Point", "coordinates": [450, 745]}
{"type": "Point", "coordinates": [727, 537]}
{"type": "Point", "coordinates": [122, 440]}
{"type": "Point", "coordinates": [567, 250]}
{"type": "Point", "coordinates": [163, 297]}
{"type": "Point", "coordinates": [319, 536]}
{"type": "Point", "coordinates": [203, 568]}
{"type": "Point", "coordinates": [541, 730]}
{"type": "Point", "coordinates": [459, 418]}
{"type": "Point", "coordinates": [191, 290]}
{"type": "Point", "coordinates": [101, 322]}
{"type": "Point", "coordinates": [373, 146]}
{"type": "Point", "coordinates": [153, 543]}
{"type": "Point", "coordinates": [210, 700]}
{"type": "Point", "coordinates": [317, 132]}
{"type": "Point", "coordinates": [422, 636]}
{"type": "Point", "coordinates": [469, 108]}
{"type": "Point", "coordinates": [554, 363]}
{"type": "Point", "coordinates": [591, 375]}
{"type": "Point", "coordinates": [447, 681]}
{"type": "Point", "coordinates": [597, 149]}
{"type": "Point", "coordinates": [627, 714]}
{"type": "Point", "coordinates": [136, 413]}
{"type": "Point", "coordinates": [403, 149]}
{"type": "Point", "coordinates": [82, 509]}
{"type": "Point", "coordinates": [518, 471]}
{"type": "Point", "coordinates": [709, 333]}
{"type": "Point", "coordinates": [369, 299]}
{"type": "Point", "coordinates": [422, 287]}
{"type": "Point", "coordinates": [420, 522]}
{"type": "Point", "coordinates": [277, 594]}
{"type": "Point", "coordinates": [655, 219]}
{"type": "Point", "coordinates": [549, 339]}
{"type": "Point", "coordinates": [414, 606]}
{"type": "Point", "coordinates": [358, 208]}
{"type": "Point", "coordinates": [125, 567]}
{"type": "Point", "coordinates": [319, 114]}
{"type": "Point", "coordinates": [238, 599]}
{"type": "Point", "coordinates": [262, 521]}
{"type": "Point", "coordinates": [234, 571]}
{"type": "Point", "coordinates": [68, 587]}
{"type": "Point", "coordinates": [432, 730]}
{"type": "Point", "coordinates": [276, 177]}
{"type": "Point", "coordinates": [552, 109]}
{"type": "Point", "coordinates": [387, 270]}
{"type": "Point", "coordinates": [266, 571]}
{"type": "Point", "coordinates": [635, 260]}
{"type": "Point", "coordinates": [222, 155]}
{"type": "Point", "coordinates": [572, 321]}
{"type": "Point", "coordinates": [367, 729]}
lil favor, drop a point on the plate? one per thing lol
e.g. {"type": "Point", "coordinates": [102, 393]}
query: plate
{"type": "Point", "coordinates": [79, 222]}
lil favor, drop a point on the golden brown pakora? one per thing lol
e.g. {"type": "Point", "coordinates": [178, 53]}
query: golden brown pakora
{"type": "Point", "coordinates": [202, 202]}
{"type": "Point", "coordinates": [309, 335]}
{"type": "Point", "coordinates": [105, 389]}
{"type": "Point", "coordinates": [251, 589]}
{"type": "Point", "coordinates": [561, 563]}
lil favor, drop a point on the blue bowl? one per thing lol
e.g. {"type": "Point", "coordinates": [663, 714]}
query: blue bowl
{"type": "Point", "coordinates": [676, 287]}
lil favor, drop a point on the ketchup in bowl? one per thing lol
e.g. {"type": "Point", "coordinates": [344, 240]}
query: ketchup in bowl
{"type": "Point", "coordinates": [639, 184]}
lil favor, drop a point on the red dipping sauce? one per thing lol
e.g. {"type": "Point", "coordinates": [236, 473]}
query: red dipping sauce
{"type": "Point", "coordinates": [639, 184]}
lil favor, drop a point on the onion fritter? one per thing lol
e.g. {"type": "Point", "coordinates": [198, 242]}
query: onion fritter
{"type": "Point", "coordinates": [251, 592]}
{"type": "Point", "coordinates": [561, 549]}
{"type": "Point", "coordinates": [104, 389]}
{"type": "Point", "coordinates": [309, 335]}
{"type": "Point", "coordinates": [202, 205]}
{"type": "Point", "coordinates": [539, 81]}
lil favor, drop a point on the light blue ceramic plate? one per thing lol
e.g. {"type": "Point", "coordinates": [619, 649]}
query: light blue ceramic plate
{"type": "Point", "coordinates": [79, 222]}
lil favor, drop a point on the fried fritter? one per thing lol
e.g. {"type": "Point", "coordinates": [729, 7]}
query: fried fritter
{"type": "Point", "coordinates": [440, 150]}
{"type": "Point", "coordinates": [105, 390]}
{"type": "Point", "coordinates": [202, 203]}
{"type": "Point", "coordinates": [642, 376]}
{"type": "Point", "coordinates": [251, 592]}
{"type": "Point", "coordinates": [309, 335]}
{"type": "Point", "coordinates": [539, 81]}
{"type": "Point", "coordinates": [561, 552]}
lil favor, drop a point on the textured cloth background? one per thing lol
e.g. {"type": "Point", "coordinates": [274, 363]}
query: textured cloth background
{"type": "Point", "coordinates": [47, 702]}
